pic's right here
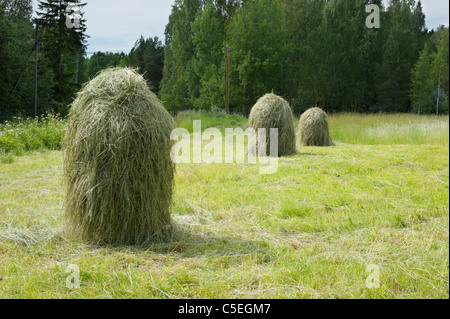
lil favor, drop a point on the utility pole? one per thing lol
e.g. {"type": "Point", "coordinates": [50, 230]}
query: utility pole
{"type": "Point", "coordinates": [227, 85]}
{"type": "Point", "coordinates": [78, 69]}
{"type": "Point", "coordinates": [438, 94]}
{"type": "Point", "coordinates": [36, 45]}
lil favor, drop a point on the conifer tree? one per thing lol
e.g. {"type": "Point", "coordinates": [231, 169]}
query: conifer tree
{"type": "Point", "coordinates": [62, 44]}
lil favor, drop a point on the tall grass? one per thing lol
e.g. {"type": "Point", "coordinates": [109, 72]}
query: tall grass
{"type": "Point", "coordinates": [383, 129]}
{"type": "Point", "coordinates": [22, 135]}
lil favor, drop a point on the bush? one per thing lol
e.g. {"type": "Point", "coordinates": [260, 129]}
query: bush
{"type": "Point", "coordinates": [6, 158]}
{"type": "Point", "coordinates": [23, 135]}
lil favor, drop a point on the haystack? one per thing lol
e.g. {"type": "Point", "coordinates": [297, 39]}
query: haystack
{"type": "Point", "coordinates": [272, 111]}
{"type": "Point", "coordinates": [314, 128]}
{"type": "Point", "coordinates": [117, 165]}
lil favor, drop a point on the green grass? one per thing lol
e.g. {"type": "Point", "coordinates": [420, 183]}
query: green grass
{"type": "Point", "coordinates": [382, 129]}
{"type": "Point", "coordinates": [218, 120]}
{"type": "Point", "coordinates": [308, 231]}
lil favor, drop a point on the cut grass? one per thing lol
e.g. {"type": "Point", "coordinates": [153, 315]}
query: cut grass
{"type": "Point", "coordinates": [308, 231]}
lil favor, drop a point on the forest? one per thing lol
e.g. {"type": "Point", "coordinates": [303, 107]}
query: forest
{"type": "Point", "coordinates": [311, 52]}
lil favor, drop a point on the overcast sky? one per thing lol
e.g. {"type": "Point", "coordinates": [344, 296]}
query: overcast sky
{"type": "Point", "coordinates": [115, 25]}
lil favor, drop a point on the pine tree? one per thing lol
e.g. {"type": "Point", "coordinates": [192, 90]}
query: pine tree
{"type": "Point", "coordinates": [148, 56]}
{"type": "Point", "coordinates": [17, 64]}
{"type": "Point", "coordinates": [421, 85]}
{"type": "Point", "coordinates": [61, 44]}
{"type": "Point", "coordinates": [305, 52]}
{"type": "Point", "coordinates": [98, 62]}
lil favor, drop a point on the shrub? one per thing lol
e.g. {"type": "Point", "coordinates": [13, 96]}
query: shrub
{"type": "Point", "coordinates": [118, 170]}
{"type": "Point", "coordinates": [6, 158]}
{"type": "Point", "coordinates": [272, 111]}
{"type": "Point", "coordinates": [23, 135]}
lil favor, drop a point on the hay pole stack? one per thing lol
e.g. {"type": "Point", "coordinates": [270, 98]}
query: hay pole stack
{"type": "Point", "coordinates": [314, 128]}
{"type": "Point", "coordinates": [117, 165]}
{"type": "Point", "coordinates": [272, 111]}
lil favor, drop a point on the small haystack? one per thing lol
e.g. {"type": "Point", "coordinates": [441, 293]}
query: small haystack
{"type": "Point", "coordinates": [272, 111]}
{"type": "Point", "coordinates": [314, 128]}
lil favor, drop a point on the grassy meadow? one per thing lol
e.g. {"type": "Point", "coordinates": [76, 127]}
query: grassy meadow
{"type": "Point", "coordinates": [379, 197]}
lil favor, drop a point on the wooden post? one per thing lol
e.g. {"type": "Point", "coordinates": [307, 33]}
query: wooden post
{"type": "Point", "coordinates": [227, 86]}
{"type": "Point", "coordinates": [36, 44]}
{"type": "Point", "coordinates": [78, 68]}
{"type": "Point", "coordinates": [438, 94]}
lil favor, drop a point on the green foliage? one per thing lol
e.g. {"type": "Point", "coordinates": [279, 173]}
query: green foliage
{"type": "Point", "coordinates": [337, 44]}
{"type": "Point", "coordinates": [147, 56]}
{"type": "Point", "coordinates": [21, 136]}
{"type": "Point", "coordinates": [6, 158]}
{"type": "Point", "coordinates": [405, 34]}
{"type": "Point", "coordinates": [422, 80]}
{"type": "Point", "coordinates": [17, 63]}
{"type": "Point", "coordinates": [62, 46]}
{"type": "Point", "coordinates": [100, 61]}
{"type": "Point", "coordinates": [441, 67]}
{"type": "Point", "coordinates": [304, 74]}
{"type": "Point", "coordinates": [180, 83]}
{"type": "Point", "coordinates": [208, 36]}
{"type": "Point", "coordinates": [257, 39]}
{"type": "Point", "coordinates": [309, 52]}
{"type": "Point", "coordinates": [430, 76]}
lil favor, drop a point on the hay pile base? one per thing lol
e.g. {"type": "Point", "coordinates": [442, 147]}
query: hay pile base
{"type": "Point", "coordinates": [117, 165]}
{"type": "Point", "coordinates": [272, 111]}
{"type": "Point", "coordinates": [314, 128]}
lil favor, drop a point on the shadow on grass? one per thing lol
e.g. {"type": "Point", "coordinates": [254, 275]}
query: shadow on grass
{"type": "Point", "coordinates": [184, 242]}
{"type": "Point", "coordinates": [187, 243]}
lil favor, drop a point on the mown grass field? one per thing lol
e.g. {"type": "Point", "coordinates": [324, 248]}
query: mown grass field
{"type": "Point", "coordinates": [380, 197]}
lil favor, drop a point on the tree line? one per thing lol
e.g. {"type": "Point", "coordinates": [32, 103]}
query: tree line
{"type": "Point", "coordinates": [43, 45]}
{"type": "Point", "coordinates": [311, 52]}
{"type": "Point", "coordinates": [63, 62]}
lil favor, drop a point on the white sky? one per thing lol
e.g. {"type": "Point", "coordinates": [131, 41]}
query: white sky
{"type": "Point", "coordinates": [115, 25]}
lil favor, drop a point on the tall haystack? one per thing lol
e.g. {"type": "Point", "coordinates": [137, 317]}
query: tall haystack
{"type": "Point", "coordinates": [117, 165]}
{"type": "Point", "coordinates": [314, 128]}
{"type": "Point", "coordinates": [272, 111]}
